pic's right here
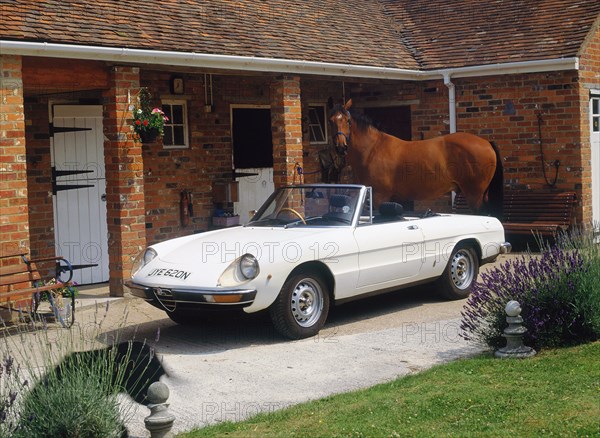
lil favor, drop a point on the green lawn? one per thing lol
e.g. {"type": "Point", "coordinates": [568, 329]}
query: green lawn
{"type": "Point", "coordinates": [557, 392]}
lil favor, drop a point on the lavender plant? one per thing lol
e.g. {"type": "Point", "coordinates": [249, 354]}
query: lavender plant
{"type": "Point", "coordinates": [558, 289]}
{"type": "Point", "coordinates": [11, 386]}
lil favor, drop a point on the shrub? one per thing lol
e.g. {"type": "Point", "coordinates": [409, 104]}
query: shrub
{"type": "Point", "coordinates": [83, 404]}
{"type": "Point", "coordinates": [559, 292]}
{"type": "Point", "coordinates": [74, 387]}
{"type": "Point", "coordinates": [11, 386]}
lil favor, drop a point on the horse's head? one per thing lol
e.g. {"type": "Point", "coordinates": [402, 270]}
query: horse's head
{"type": "Point", "coordinates": [341, 122]}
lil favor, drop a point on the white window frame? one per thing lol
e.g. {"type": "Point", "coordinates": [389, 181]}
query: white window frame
{"type": "Point", "coordinates": [168, 124]}
{"type": "Point", "coordinates": [324, 128]}
{"type": "Point", "coordinates": [595, 115]}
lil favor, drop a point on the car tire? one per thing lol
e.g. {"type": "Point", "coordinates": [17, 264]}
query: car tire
{"type": "Point", "coordinates": [460, 274]}
{"type": "Point", "coordinates": [301, 307]}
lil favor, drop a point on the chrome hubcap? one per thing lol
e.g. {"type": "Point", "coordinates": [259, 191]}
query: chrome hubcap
{"type": "Point", "coordinates": [307, 302]}
{"type": "Point", "coordinates": [462, 269]}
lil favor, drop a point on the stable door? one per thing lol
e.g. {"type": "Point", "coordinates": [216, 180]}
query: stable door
{"type": "Point", "coordinates": [79, 190]}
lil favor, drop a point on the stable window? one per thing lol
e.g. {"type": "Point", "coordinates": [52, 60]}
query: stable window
{"type": "Point", "coordinates": [176, 129]}
{"type": "Point", "coordinates": [316, 124]}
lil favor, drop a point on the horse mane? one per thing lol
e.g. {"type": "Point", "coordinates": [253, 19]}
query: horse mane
{"type": "Point", "coordinates": [361, 120]}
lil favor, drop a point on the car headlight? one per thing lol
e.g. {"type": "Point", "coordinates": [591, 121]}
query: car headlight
{"type": "Point", "coordinates": [242, 269]}
{"type": "Point", "coordinates": [142, 260]}
{"type": "Point", "coordinates": [249, 266]}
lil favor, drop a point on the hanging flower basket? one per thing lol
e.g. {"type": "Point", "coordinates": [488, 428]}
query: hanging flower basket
{"type": "Point", "coordinates": [149, 136]}
{"type": "Point", "coordinates": [148, 122]}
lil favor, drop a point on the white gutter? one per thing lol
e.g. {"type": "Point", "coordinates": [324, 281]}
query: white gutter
{"type": "Point", "coordinates": [558, 64]}
{"type": "Point", "coordinates": [202, 60]}
{"type": "Point", "coordinates": [250, 63]}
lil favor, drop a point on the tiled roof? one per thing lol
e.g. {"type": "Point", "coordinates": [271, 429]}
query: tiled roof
{"type": "Point", "coordinates": [407, 34]}
{"type": "Point", "coordinates": [474, 32]}
{"type": "Point", "coordinates": [316, 30]}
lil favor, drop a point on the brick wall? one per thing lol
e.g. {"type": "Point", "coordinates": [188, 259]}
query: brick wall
{"type": "Point", "coordinates": [589, 78]}
{"type": "Point", "coordinates": [506, 109]}
{"type": "Point", "coordinates": [124, 178]}
{"type": "Point", "coordinates": [169, 171]}
{"type": "Point", "coordinates": [286, 117]}
{"type": "Point", "coordinates": [206, 162]}
{"type": "Point", "coordinates": [14, 219]}
{"type": "Point", "coordinates": [500, 108]}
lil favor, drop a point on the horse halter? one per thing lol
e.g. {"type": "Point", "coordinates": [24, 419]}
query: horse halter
{"type": "Point", "coordinates": [346, 137]}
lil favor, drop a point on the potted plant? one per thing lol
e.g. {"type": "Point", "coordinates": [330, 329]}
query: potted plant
{"type": "Point", "coordinates": [148, 122]}
{"type": "Point", "coordinates": [61, 301]}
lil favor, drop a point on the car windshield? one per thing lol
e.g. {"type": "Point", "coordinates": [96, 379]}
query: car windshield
{"type": "Point", "coordinates": [302, 206]}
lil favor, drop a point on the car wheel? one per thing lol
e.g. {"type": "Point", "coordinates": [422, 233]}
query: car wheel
{"type": "Point", "coordinates": [302, 306]}
{"type": "Point", "coordinates": [460, 274]}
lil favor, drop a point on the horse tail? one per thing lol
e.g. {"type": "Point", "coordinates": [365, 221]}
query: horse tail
{"type": "Point", "coordinates": [495, 191]}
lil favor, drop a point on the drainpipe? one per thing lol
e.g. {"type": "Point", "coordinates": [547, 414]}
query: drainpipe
{"type": "Point", "coordinates": [451, 101]}
{"type": "Point", "coordinates": [451, 109]}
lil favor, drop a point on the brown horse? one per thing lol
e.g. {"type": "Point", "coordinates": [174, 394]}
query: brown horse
{"type": "Point", "coordinates": [420, 170]}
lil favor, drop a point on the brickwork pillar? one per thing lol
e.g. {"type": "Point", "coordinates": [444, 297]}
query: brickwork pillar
{"type": "Point", "coordinates": [286, 118]}
{"type": "Point", "coordinates": [14, 204]}
{"type": "Point", "coordinates": [124, 177]}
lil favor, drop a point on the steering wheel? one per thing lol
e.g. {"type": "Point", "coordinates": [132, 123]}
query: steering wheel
{"type": "Point", "coordinates": [291, 210]}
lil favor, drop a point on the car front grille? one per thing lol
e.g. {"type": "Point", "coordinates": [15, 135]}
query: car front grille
{"type": "Point", "coordinates": [165, 298]}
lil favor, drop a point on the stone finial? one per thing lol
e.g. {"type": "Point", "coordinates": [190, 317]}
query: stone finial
{"type": "Point", "coordinates": [514, 334]}
{"type": "Point", "coordinates": [160, 421]}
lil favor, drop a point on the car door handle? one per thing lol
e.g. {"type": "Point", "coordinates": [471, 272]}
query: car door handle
{"type": "Point", "coordinates": [413, 227]}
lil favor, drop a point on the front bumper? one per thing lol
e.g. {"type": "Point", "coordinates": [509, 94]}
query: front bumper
{"type": "Point", "coordinates": [505, 248]}
{"type": "Point", "coordinates": [169, 298]}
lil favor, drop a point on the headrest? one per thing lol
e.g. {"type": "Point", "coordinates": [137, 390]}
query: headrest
{"type": "Point", "coordinates": [339, 201]}
{"type": "Point", "coordinates": [391, 209]}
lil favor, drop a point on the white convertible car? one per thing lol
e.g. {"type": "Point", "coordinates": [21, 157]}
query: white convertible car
{"type": "Point", "coordinates": [310, 246]}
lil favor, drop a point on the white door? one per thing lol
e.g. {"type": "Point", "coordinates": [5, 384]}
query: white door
{"type": "Point", "coordinates": [595, 144]}
{"type": "Point", "coordinates": [389, 254]}
{"type": "Point", "coordinates": [253, 191]}
{"type": "Point", "coordinates": [79, 190]}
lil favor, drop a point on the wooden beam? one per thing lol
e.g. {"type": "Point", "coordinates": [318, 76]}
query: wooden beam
{"type": "Point", "coordinates": [63, 74]}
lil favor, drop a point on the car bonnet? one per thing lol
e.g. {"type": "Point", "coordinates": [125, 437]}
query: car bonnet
{"type": "Point", "coordinates": [222, 247]}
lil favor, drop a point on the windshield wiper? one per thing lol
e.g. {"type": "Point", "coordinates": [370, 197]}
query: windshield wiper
{"type": "Point", "coordinates": [299, 221]}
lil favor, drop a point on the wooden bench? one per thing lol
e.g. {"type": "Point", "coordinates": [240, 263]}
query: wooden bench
{"type": "Point", "coordinates": [532, 212]}
{"type": "Point", "coordinates": [19, 278]}
{"type": "Point", "coordinates": [544, 213]}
